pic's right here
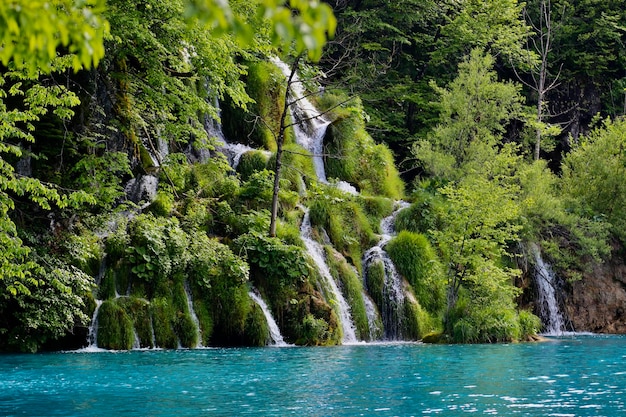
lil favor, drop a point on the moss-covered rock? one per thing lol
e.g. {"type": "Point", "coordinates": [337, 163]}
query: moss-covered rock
{"type": "Point", "coordinates": [115, 327]}
{"type": "Point", "coordinates": [354, 156]}
{"type": "Point", "coordinates": [416, 260]}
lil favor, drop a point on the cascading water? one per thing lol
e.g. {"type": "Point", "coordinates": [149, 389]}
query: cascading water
{"type": "Point", "coordinates": [393, 296]}
{"type": "Point", "coordinates": [232, 151]}
{"type": "Point", "coordinates": [277, 338]}
{"type": "Point", "coordinates": [316, 252]}
{"type": "Point", "coordinates": [92, 337]}
{"type": "Point", "coordinates": [309, 124]}
{"type": "Point", "coordinates": [547, 302]}
{"type": "Point", "coordinates": [192, 313]}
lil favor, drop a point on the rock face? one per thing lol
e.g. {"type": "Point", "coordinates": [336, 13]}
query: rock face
{"type": "Point", "coordinates": [597, 303]}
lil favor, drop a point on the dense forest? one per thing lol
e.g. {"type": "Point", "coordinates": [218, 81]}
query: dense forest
{"type": "Point", "coordinates": [154, 179]}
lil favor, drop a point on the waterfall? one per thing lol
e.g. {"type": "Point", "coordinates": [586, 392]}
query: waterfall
{"type": "Point", "coordinates": [309, 125]}
{"type": "Point", "coordinates": [547, 302]}
{"type": "Point", "coordinates": [393, 297]}
{"type": "Point", "coordinates": [232, 151]}
{"type": "Point", "coordinates": [92, 337]}
{"type": "Point", "coordinates": [316, 252]}
{"type": "Point", "coordinates": [142, 188]}
{"type": "Point", "coordinates": [374, 320]}
{"type": "Point", "coordinates": [277, 338]}
{"type": "Point", "coordinates": [192, 313]}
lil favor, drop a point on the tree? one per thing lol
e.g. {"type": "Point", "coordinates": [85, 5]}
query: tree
{"type": "Point", "coordinates": [593, 175]}
{"type": "Point", "coordinates": [542, 81]}
{"type": "Point", "coordinates": [475, 109]}
{"type": "Point", "coordinates": [280, 141]}
{"type": "Point", "coordinates": [31, 31]}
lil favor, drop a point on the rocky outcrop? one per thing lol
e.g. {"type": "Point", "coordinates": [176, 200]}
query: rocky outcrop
{"type": "Point", "coordinates": [597, 303]}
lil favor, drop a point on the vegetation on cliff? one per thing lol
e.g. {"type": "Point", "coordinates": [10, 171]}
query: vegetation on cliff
{"type": "Point", "coordinates": [115, 199]}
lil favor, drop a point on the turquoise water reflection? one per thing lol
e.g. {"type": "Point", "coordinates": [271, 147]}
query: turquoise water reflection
{"type": "Point", "coordinates": [577, 376]}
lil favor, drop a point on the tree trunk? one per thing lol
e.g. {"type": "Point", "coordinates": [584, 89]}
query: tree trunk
{"type": "Point", "coordinates": [280, 140]}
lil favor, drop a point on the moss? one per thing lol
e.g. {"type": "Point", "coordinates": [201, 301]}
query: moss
{"type": "Point", "coordinates": [415, 259]}
{"type": "Point", "coordinates": [186, 330]}
{"type": "Point", "coordinates": [205, 321]}
{"type": "Point", "coordinates": [122, 277]}
{"type": "Point", "coordinates": [138, 309]}
{"type": "Point", "coordinates": [351, 288]}
{"type": "Point", "coordinates": [375, 282]}
{"type": "Point", "coordinates": [163, 318]}
{"type": "Point", "coordinates": [185, 327]}
{"type": "Point", "coordinates": [357, 158]}
{"type": "Point", "coordinates": [256, 329]}
{"type": "Point", "coordinates": [251, 162]}
{"type": "Point", "coordinates": [115, 327]}
{"type": "Point", "coordinates": [107, 287]}
{"type": "Point", "coordinates": [344, 220]}
{"type": "Point", "coordinates": [418, 322]}
{"type": "Point", "coordinates": [376, 208]}
{"type": "Point", "coordinates": [163, 204]}
{"type": "Point", "coordinates": [265, 84]}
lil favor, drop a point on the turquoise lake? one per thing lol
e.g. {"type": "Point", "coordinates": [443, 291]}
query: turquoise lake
{"type": "Point", "coordinates": [570, 376]}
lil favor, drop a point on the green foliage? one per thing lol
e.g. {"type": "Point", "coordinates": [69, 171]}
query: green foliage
{"type": "Point", "coordinates": [31, 31]}
{"type": "Point", "coordinates": [24, 324]}
{"type": "Point", "coordinates": [475, 110]}
{"type": "Point", "coordinates": [306, 24]}
{"type": "Point", "coordinates": [158, 247]}
{"type": "Point", "coordinates": [593, 173]}
{"type": "Point", "coordinates": [416, 260]}
{"type": "Point", "coordinates": [571, 237]}
{"type": "Point", "coordinates": [99, 175]}
{"type": "Point", "coordinates": [250, 163]}
{"type": "Point", "coordinates": [278, 268]}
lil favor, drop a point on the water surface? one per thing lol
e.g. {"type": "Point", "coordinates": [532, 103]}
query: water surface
{"type": "Point", "coordinates": [573, 376]}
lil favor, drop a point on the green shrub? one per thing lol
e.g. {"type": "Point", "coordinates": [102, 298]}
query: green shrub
{"type": "Point", "coordinates": [529, 324]}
